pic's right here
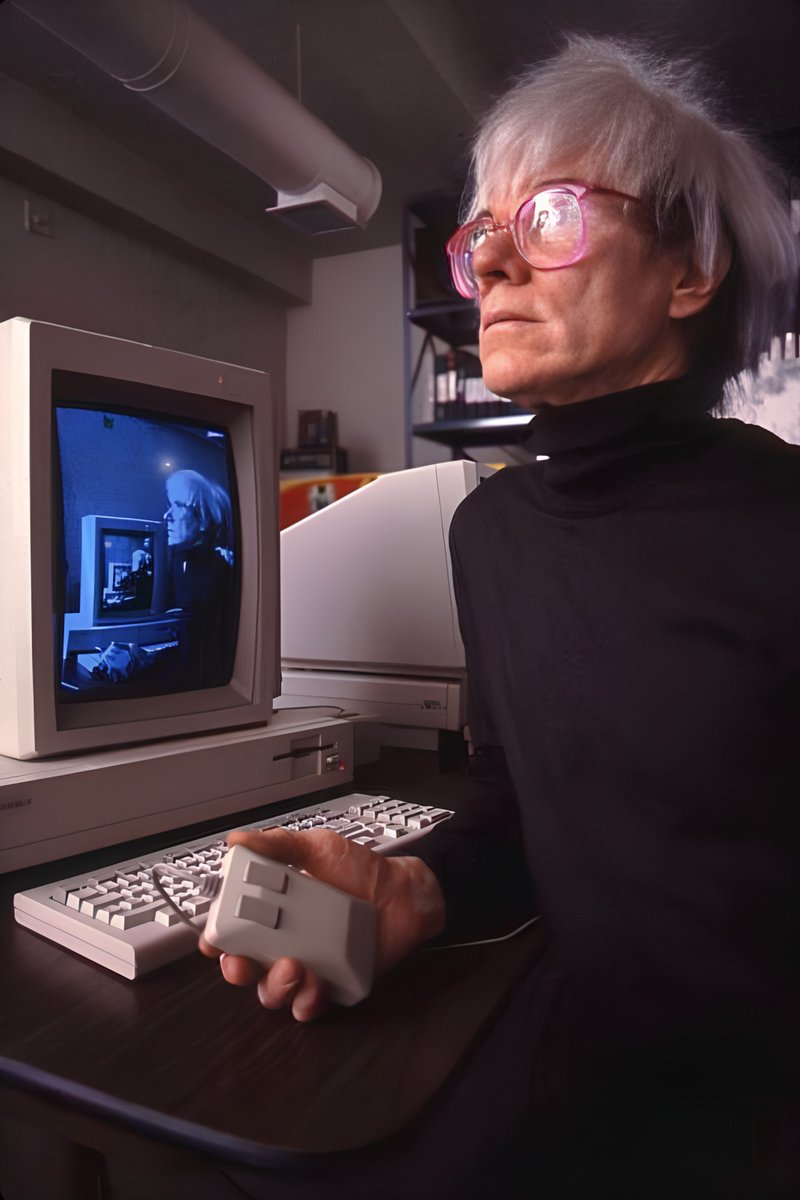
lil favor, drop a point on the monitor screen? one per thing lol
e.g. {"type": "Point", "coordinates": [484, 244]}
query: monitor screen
{"type": "Point", "coordinates": [148, 573]}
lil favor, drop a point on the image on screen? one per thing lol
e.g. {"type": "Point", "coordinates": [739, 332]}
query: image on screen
{"type": "Point", "coordinates": [127, 572]}
{"type": "Point", "coordinates": [148, 571]}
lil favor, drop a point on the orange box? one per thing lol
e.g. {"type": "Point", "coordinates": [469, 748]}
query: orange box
{"type": "Point", "coordinates": [301, 497]}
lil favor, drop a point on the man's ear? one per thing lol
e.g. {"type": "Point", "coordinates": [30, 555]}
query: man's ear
{"type": "Point", "coordinates": [695, 288]}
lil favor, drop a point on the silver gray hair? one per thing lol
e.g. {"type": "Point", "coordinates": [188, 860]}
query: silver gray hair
{"type": "Point", "coordinates": [211, 506]}
{"type": "Point", "coordinates": [638, 122]}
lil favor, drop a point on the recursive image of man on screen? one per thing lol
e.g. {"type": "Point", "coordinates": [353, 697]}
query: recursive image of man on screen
{"type": "Point", "coordinates": [199, 528]}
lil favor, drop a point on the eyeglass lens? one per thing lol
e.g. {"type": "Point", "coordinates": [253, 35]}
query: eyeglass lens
{"type": "Point", "coordinates": [547, 229]}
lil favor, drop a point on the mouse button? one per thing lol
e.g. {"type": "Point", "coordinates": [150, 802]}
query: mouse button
{"type": "Point", "coordinates": [250, 908]}
{"type": "Point", "coordinates": [266, 874]}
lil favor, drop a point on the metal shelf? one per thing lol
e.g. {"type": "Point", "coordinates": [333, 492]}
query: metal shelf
{"type": "Point", "coordinates": [454, 321]}
{"type": "Point", "coordinates": [476, 431]}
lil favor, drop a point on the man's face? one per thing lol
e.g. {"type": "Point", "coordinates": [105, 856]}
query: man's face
{"type": "Point", "coordinates": [183, 523]}
{"type": "Point", "coordinates": [598, 326]}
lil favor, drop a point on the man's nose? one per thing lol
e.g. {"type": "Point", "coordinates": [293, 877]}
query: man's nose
{"type": "Point", "coordinates": [497, 256]}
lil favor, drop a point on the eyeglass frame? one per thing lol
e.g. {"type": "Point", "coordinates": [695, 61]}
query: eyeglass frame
{"type": "Point", "coordinates": [578, 190]}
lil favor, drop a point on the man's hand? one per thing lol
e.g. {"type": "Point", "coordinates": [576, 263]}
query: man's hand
{"type": "Point", "coordinates": [404, 891]}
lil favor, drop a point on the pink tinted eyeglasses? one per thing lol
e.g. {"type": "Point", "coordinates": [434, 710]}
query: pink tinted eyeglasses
{"type": "Point", "coordinates": [548, 230]}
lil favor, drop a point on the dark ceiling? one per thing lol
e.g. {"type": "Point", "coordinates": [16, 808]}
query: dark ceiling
{"type": "Point", "coordinates": [403, 81]}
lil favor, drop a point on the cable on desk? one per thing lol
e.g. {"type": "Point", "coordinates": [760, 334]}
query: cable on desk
{"type": "Point", "coordinates": [505, 937]}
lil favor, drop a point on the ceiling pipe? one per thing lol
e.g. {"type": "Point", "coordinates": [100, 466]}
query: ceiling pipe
{"type": "Point", "coordinates": [174, 58]}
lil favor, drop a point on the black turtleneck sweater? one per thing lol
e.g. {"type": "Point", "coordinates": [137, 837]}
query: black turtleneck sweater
{"type": "Point", "coordinates": [630, 608]}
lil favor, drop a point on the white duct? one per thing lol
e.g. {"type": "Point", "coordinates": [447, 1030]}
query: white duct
{"type": "Point", "coordinates": [176, 60]}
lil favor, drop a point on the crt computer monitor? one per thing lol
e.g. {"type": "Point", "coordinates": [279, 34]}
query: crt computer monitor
{"type": "Point", "coordinates": [139, 543]}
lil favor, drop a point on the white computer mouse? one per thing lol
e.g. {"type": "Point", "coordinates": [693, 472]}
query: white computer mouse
{"type": "Point", "coordinates": [266, 910]}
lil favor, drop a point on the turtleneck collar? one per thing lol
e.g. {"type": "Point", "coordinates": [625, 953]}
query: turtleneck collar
{"type": "Point", "coordinates": [610, 452]}
{"type": "Point", "coordinates": [638, 414]}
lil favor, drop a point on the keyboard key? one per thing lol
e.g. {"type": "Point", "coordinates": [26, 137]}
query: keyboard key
{"type": "Point", "coordinates": [93, 908]}
{"type": "Point", "coordinates": [134, 917]}
{"type": "Point", "coordinates": [108, 911]}
{"type": "Point", "coordinates": [168, 917]}
{"type": "Point", "coordinates": [426, 819]}
{"type": "Point", "coordinates": [74, 899]}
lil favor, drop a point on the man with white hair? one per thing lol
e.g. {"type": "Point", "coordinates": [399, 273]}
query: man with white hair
{"type": "Point", "coordinates": [629, 603]}
{"type": "Point", "coordinates": [199, 528]}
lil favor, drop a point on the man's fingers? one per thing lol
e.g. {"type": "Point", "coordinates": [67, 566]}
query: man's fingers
{"type": "Point", "coordinates": [311, 999]}
{"type": "Point", "coordinates": [272, 843]}
{"type": "Point", "coordinates": [278, 987]}
{"type": "Point", "coordinates": [302, 850]}
{"type": "Point", "coordinates": [242, 972]}
{"type": "Point", "coordinates": [206, 948]}
{"type": "Point", "coordinates": [289, 983]}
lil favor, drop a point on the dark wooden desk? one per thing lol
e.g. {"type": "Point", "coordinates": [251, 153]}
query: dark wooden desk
{"type": "Point", "coordinates": [181, 1056]}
